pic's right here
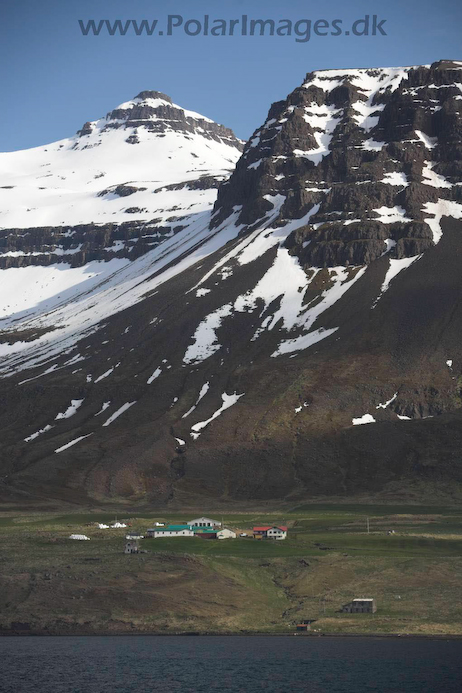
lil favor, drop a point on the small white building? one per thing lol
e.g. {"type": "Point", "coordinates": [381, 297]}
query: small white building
{"type": "Point", "coordinates": [226, 534]}
{"type": "Point", "coordinates": [79, 537]}
{"type": "Point", "coordinates": [205, 523]}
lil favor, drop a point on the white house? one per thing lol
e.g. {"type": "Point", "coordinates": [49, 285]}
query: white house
{"type": "Point", "coordinates": [226, 534]}
{"type": "Point", "coordinates": [205, 522]}
{"type": "Point", "coordinates": [270, 532]}
{"type": "Point", "coordinates": [277, 533]}
{"type": "Point", "coordinates": [170, 531]}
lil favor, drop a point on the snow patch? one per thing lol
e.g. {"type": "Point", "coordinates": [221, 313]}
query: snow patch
{"type": "Point", "coordinates": [105, 406]}
{"type": "Point", "coordinates": [120, 411]}
{"type": "Point", "coordinates": [388, 402]}
{"type": "Point", "coordinates": [432, 178]}
{"type": "Point", "coordinates": [228, 401]}
{"type": "Point", "coordinates": [71, 410]}
{"type": "Point", "coordinates": [365, 419]}
{"type": "Point", "coordinates": [205, 339]}
{"type": "Point", "coordinates": [391, 215]}
{"type": "Point", "coordinates": [203, 391]}
{"type": "Point", "coordinates": [73, 442]}
{"type": "Point", "coordinates": [105, 375]}
{"type": "Point", "coordinates": [43, 430]}
{"type": "Point", "coordinates": [395, 178]}
{"type": "Point", "coordinates": [429, 142]}
{"type": "Point", "coordinates": [155, 375]}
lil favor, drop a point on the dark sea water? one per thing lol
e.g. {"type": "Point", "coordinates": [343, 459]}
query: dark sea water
{"type": "Point", "coordinates": [142, 664]}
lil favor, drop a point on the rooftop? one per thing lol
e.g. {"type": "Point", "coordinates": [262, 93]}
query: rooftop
{"type": "Point", "coordinates": [170, 528]}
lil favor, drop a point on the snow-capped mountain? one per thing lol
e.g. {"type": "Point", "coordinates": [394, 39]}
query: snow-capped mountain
{"type": "Point", "coordinates": [302, 338]}
{"type": "Point", "coordinates": [117, 189]}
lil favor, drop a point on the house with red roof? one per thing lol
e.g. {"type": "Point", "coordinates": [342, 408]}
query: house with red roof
{"type": "Point", "coordinates": [270, 532]}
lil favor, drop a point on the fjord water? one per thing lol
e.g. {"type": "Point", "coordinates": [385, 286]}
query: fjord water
{"type": "Point", "coordinates": [146, 664]}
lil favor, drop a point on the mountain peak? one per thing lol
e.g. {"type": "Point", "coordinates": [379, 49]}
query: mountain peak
{"type": "Point", "coordinates": [145, 95]}
{"type": "Point", "coordinates": [155, 112]}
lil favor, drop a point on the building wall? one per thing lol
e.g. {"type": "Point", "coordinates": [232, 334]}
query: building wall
{"type": "Point", "coordinates": [276, 534]}
{"type": "Point", "coordinates": [182, 533]}
{"type": "Point", "coordinates": [226, 534]}
{"type": "Point", "coordinates": [355, 608]}
{"type": "Point", "coordinates": [205, 522]}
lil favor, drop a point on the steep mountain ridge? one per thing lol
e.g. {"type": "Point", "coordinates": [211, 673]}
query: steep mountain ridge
{"type": "Point", "coordinates": [302, 339]}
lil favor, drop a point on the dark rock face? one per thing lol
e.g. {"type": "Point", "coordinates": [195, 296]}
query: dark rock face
{"type": "Point", "coordinates": [77, 245]}
{"type": "Point", "coordinates": [332, 245]}
{"type": "Point", "coordinates": [353, 143]}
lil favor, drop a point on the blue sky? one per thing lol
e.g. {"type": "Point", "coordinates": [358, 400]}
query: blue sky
{"type": "Point", "coordinates": [53, 78]}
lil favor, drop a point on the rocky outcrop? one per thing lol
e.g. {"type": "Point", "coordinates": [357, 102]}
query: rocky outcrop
{"type": "Point", "coordinates": [360, 149]}
{"type": "Point", "coordinates": [83, 243]}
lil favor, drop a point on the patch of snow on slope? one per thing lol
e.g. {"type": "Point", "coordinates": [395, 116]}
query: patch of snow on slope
{"type": "Point", "coordinates": [323, 119]}
{"type": "Point", "coordinates": [203, 391]}
{"type": "Point", "coordinates": [73, 442]}
{"type": "Point", "coordinates": [429, 142]}
{"type": "Point", "coordinates": [71, 410]}
{"type": "Point", "coordinates": [228, 401]}
{"type": "Point", "coordinates": [262, 240]}
{"type": "Point", "coordinates": [27, 291]}
{"type": "Point", "coordinates": [395, 267]}
{"type": "Point", "coordinates": [388, 402]}
{"type": "Point", "coordinates": [286, 280]}
{"type": "Point", "coordinates": [205, 339]}
{"type": "Point", "coordinates": [117, 413]}
{"type": "Point", "coordinates": [390, 215]}
{"type": "Point", "coordinates": [366, 419]}
{"type": "Point", "coordinates": [155, 375]}
{"type": "Point", "coordinates": [372, 145]}
{"type": "Point", "coordinates": [441, 209]}
{"type": "Point", "coordinates": [105, 406]}
{"type": "Point", "coordinates": [395, 178]}
{"type": "Point", "coordinates": [104, 375]}
{"type": "Point", "coordinates": [43, 430]}
{"type": "Point", "coordinates": [432, 178]}
{"type": "Point", "coordinates": [307, 316]}
{"type": "Point", "coordinates": [389, 244]}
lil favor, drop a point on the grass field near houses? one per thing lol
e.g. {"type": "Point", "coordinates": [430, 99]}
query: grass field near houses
{"type": "Point", "coordinates": [51, 584]}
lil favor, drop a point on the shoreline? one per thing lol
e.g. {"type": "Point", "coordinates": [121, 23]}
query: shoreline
{"type": "Point", "coordinates": [237, 634]}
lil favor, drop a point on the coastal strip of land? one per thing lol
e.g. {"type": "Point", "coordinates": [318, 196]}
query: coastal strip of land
{"type": "Point", "coordinates": [408, 558]}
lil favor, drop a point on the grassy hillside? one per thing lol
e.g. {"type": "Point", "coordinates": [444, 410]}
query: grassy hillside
{"type": "Point", "coordinates": [49, 583]}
